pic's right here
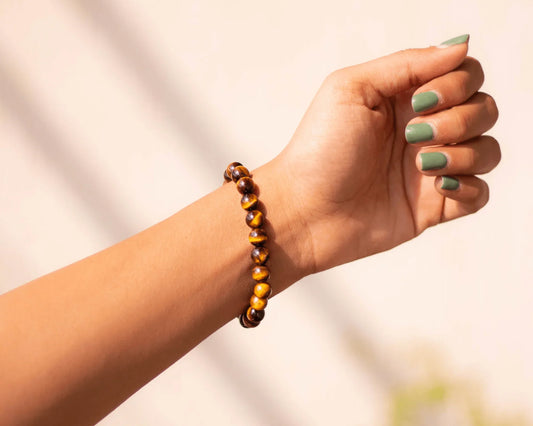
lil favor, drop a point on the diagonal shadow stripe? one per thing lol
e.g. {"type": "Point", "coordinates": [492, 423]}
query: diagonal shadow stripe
{"type": "Point", "coordinates": [181, 115]}
{"type": "Point", "coordinates": [353, 337]}
{"type": "Point", "coordinates": [132, 51]}
{"type": "Point", "coordinates": [50, 143]}
{"type": "Point", "coordinates": [178, 108]}
{"type": "Point", "coordinates": [48, 140]}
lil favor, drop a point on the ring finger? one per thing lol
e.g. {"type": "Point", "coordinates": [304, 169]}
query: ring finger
{"type": "Point", "coordinates": [474, 157]}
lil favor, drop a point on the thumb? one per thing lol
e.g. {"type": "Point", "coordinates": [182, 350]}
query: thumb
{"type": "Point", "coordinates": [410, 68]}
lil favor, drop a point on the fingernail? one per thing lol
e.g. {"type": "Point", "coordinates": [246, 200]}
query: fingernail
{"type": "Point", "coordinates": [419, 132]}
{"type": "Point", "coordinates": [456, 40]}
{"type": "Point", "coordinates": [424, 100]}
{"type": "Point", "coordinates": [433, 160]}
{"type": "Point", "coordinates": [449, 183]}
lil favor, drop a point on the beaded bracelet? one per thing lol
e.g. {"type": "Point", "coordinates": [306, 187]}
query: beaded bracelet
{"type": "Point", "coordinates": [253, 314]}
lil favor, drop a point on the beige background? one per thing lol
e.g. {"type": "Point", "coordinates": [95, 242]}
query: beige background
{"type": "Point", "coordinates": [115, 114]}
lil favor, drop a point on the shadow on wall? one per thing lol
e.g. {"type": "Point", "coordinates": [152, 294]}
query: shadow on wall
{"type": "Point", "coordinates": [48, 140]}
{"type": "Point", "coordinates": [413, 402]}
{"type": "Point", "coordinates": [139, 60]}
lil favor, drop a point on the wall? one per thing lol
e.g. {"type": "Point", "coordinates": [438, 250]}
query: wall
{"type": "Point", "coordinates": [108, 107]}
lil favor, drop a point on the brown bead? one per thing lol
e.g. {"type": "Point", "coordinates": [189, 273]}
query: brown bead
{"type": "Point", "coordinates": [257, 237]}
{"type": "Point", "coordinates": [247, 323]}
{"type": "Point", "coordinates": [249, 201]}
{"type": "Point", "coordinates": [259, 255]}
{"type": "Point", "coordinates": [239, 172]}
{"type": "Point", "coordinates": [260, 273]}
{"type": "Point", "coordinates": [226, 177]}
{"type": "Point", "coordinates": [263, 290]}
{"type": "Point", "coordinates": [254, 219]}
{"type": "Point", "coordinates": [245, 185]}
{"type": "Point", "coordinates": [258, 303]}
{"type": "Point", "coordinates": [229, 169]}
{"type": "Point", "coordinates": [255, 315]}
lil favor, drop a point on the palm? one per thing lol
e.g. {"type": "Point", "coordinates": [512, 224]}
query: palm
{"type": "Point", "coordinates": [354, 166]}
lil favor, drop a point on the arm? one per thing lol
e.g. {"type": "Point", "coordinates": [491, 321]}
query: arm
{"type": "Point", "coordinates": [79, 341]}
{"type": "Point", "coordinates": [83, 339]}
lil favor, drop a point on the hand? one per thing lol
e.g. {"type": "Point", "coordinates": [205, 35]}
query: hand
{"type": "Point", "coordinates": [357, 185]}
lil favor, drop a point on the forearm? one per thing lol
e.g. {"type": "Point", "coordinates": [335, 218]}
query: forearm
{"type": "Point", "coordinates": [79, 341]}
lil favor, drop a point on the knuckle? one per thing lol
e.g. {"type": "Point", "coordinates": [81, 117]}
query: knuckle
{"type": "Point", "coordinates": [333, 78]}
{"type": "Point", "coordinates": [476, 69]}
{"type": "Point", "coordinates": [481, 74]}
{"type": "Point", "coordinates": [492, 108]}
{"type": "Point", "coordinates": [488, 154]}
{"type": "Point", "coordinates": [471, 158]}
{"type": "Point", "coordinates": [412, 76]}
{"type": "Point", "coordinates": [462, 122]}
{"type": "Point", "coordinates": [496, 152]}
{"type": "Point", "coordinates": [463, 91]}
{"type": "Point", "coordinates": [341, 79]}
{"type": "Point", "coordinates": [344, 84]}
{"type": "Point", "coordinates": [407, 71]}
{"type": "Point", "coordinates": [334, 85]}
{"type": "Point", "coordinates": [478, 199]}
{"type": "Point", "coordinates": [482, 197]}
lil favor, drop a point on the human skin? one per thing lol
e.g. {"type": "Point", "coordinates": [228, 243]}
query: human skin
{"type": "Point", "coordinates": [79, 341]}
{"type": "Point", "coordinates": [360, 187]}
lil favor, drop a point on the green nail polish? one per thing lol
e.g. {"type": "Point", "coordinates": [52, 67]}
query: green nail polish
{"type": "Point", "coordinates": [419, 132]}
{"type": "Point", "coordinates": [456, 40]}
{"type": "Point", "coordinates": [433, 160]}
{"type": "Point", "coordinates": [449, 183]}
{"type": "Point", "coordinates": [424, 100]}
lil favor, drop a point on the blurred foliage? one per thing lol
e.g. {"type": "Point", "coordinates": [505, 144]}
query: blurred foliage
{"type": "Point", "coordinates": [421, 389]}
{"type": "Point", "coordinates": [433, 400]}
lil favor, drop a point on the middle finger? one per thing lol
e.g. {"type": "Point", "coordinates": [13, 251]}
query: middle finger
{"type": "Point", "coordinates": [454, 125]}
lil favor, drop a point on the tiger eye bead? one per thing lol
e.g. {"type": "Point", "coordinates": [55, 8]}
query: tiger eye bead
{"type": "Point", "coordinates": [257, 236]}
{"type": "Point", "coordinates": [254, 315]}
{"type": "Point", "coordinates": [260, 273]}
{"type": "Point", "coordinates": [263, 290]}
{"type": "Point", "coordinates": [259, 255]}
{"type": "Point", "coordinates": [258, 303]}
{"type": "Point", "coordinates": [239, 172]}
{"type": "Point", "coordinates": [226, 177]}
{"type": "Point", "coordinates": [229, 169]}
{"type": "Point", "coordinates": [254, 219]}
{"type": "Point", "coordinates": [246, 322]}
{"type": "Point", "coordinates": [245, 185]}
{"type": "Point", "coordinates": [249, 201]}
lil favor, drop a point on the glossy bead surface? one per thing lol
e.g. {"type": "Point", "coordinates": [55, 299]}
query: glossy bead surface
{"type": "Point", "coordinates": [257, 237]}
{"type": "Point", "coordinates": [254, 219]}
{"type": "Point", "coordinates": [239, 172]}
{"type": "Point", "coordinates": [255, 315]}
{"type": "Point", "coordinates": [263, 290]}
{"type": "Point", "coordinates": [245, 185]}
{"type": "Point", "coordinates": [249, 201]}
{"type": "Point", "coordinates": [229, 169]}
{"type": "Point", "coordinates": [259, 255]}
{"type": "Point", "coordinates": [247, 323]}
{"type": "Point", "coordinates": [260, 273]}
{"type": "Point", "coordinates": [226, 177]}
{"type": "Point", "coordinates": [258, 303]}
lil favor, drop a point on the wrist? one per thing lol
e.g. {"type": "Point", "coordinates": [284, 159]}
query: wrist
{"type": "Point", "coordinates": [289, 243]}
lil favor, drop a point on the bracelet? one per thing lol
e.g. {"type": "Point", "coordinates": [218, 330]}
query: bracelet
{"type": "Point", "coordinates": [255, 312]}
